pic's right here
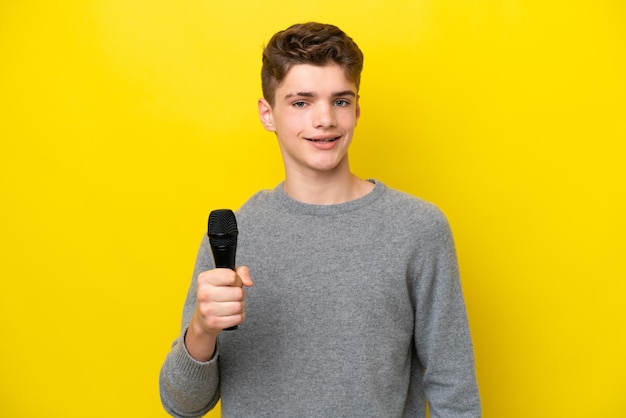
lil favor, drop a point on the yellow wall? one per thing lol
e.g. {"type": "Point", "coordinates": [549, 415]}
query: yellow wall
{"type": "Point", "coordinates": [117, 117]}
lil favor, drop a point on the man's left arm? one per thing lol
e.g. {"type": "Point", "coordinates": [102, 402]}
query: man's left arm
{"type": "Point", "coordinates": [442, 335]}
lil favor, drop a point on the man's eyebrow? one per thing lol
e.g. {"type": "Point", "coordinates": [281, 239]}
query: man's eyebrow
{"type": "Point", "coordinates": [300, 94]}
{"type": "Point", "coordinates": [344, 93]}
{"type": "Point", "coordinates": [312, 94]}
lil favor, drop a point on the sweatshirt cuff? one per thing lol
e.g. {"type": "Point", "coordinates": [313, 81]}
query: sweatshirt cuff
{"type": "Point", "coordinates": [190, 367]}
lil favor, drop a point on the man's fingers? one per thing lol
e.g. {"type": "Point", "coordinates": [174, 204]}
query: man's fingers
{"type": "Point", "coordinates": [221, 294]}
{"type": "Point", "coordinates": [244, 273]}
{"type": "Point", "coordinates": [219, 277]}
{"type": "Point", "coordinates": [222, 309]}
{"type": "Point", "coordinates": [220, 297]}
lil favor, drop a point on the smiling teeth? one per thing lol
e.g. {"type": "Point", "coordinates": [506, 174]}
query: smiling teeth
{"type": "Point", "coordinates": [323, 141]}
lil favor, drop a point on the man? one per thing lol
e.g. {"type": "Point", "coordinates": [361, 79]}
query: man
{"type": "Point", "coordinates": [356, 309]}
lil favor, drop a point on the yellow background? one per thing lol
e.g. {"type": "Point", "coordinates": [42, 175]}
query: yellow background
{"type": "Point", "coordinates": [123, 123]}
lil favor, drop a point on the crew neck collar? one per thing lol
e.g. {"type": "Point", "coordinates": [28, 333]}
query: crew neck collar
{"type": "Point", "coordinates": [297, 206]}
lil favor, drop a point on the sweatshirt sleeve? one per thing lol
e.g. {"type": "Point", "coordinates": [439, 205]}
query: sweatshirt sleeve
{"type": "Point", "coordinates": [190, 388]}
{"type": "Point", "coordinates": [442, 336]}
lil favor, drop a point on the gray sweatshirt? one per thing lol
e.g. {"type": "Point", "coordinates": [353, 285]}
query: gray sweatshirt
{"type": "Point", "coordinates": [356, 311]}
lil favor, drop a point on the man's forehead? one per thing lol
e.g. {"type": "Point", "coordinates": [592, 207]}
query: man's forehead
{"type": "Point", "coordinates": [310, 80]}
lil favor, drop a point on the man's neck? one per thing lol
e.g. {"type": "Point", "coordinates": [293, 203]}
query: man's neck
{"type": "Point", "coordinates": [326, 189]}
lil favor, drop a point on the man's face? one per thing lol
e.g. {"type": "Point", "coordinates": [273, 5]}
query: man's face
{"type": "Point", "coordinates": [314, 115]}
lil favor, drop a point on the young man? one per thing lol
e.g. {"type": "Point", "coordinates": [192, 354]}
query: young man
{"type": "Point", "coordinates": [356, 309]}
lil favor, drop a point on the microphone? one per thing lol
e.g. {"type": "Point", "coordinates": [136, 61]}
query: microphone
{"type": "Point", "coordinates": [222, 233]}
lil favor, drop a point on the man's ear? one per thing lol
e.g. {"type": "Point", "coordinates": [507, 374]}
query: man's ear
{"type": "Point", "coordinates": [358, 110]}
{"type": "Point", "coordinates": [266, 116]}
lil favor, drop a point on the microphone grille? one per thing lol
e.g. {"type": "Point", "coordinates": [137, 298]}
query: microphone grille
{"type": "Point", "coordinates": [222, 228]}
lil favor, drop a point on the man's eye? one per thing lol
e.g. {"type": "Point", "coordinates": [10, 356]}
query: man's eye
{"type": "Point", "coordinates": [342, 103]}
{"type": "Point", "coordinates": [299, 104]}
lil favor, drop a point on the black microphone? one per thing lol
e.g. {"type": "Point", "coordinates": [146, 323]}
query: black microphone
{"type": "Point", "coordinates": [222, 234]}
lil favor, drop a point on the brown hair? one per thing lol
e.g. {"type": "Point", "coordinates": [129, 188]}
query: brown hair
{"type": "Point", "coordinates": [308, 43]}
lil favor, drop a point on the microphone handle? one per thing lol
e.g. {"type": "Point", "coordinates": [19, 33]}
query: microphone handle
{"type": "Point", "coordinates": [224, 257]}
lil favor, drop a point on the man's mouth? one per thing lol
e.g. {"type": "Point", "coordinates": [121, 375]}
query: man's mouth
{"type": "Point", "coordinates": [323, 140]}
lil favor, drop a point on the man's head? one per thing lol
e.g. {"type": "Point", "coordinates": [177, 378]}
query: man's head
{"type": "Point", "coordinates": [308, 43]}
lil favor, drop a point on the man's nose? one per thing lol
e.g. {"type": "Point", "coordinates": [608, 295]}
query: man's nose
{"type": "Point", "coordinates": [324, 116]}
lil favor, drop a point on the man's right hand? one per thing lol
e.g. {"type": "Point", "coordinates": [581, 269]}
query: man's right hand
{"type": "Point", "coordinates": [220, 304]}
